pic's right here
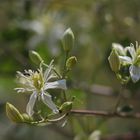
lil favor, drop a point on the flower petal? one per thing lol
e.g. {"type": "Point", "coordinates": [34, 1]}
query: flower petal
{"type": "Point", "coordinates": [19, 90]}
{"type": "Point", "coordinates": [126, 59]}
{"type": "Point", "coordinates": [31, 103]}
{"type": "Point", "coordinates": [132, 51]}
{"type": "Point", "coordinates": [134, 73]}
{"type": "Point", "coordinates": [46, 98]}
{"type": "Point", "coordinates": [119, 48]}
{"type": "Point", "coordinates": [48, 71]}
{"type": "Point", "coordinates": [23, 89]}
{"type": "Point", "coordinates": [60, 84]}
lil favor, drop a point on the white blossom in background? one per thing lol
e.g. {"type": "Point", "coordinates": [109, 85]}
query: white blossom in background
{"type": "Point", "coordinates": [133, 59]}
{"type": "Point", "coordinates": [38, 83]}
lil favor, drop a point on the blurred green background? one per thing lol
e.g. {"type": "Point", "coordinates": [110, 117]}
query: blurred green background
{"type": "Point", "coordinates": [38, 25]}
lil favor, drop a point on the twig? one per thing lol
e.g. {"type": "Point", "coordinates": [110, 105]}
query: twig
{"type": "Point", "coordinates": [105, 114]}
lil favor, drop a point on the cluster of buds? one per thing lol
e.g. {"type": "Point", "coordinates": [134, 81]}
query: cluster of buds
{"type": "Point", "coordinates": [16, 116]}
{"type": "Point", "coordinates": [125, 62]}
{"type": "Point", "coordinates": [68, 43]}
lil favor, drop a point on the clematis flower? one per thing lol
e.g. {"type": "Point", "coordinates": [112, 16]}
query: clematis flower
{"type": "Point", "coordinates": [38, 83]}
{"type": "Point", "coordinates": [133, 59]}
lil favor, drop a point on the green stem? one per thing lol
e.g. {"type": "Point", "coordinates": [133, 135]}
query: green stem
{"type": "Point", "coordinates": [57, 119]}
{"type": "Point", "coordinates": [64, 68]}
{"type": "Point", "coordinates": [64, 95]}
{"type": "Point", "coordinates": [64, 74]}
{"type": "Point", "coordinates": [50, 120]}
{"type": "Point", "coordinates": [118, 99]}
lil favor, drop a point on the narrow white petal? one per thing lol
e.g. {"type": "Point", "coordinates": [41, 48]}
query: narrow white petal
{"type": "Point", "coordinates": [23, 89]}
{"type": "Point", "coordinates": [48, 71]}
{"type": "Point", "coordinates": [60, 84]}
{"type": "Point", "coordinates": [132, 51]}
{"type": "Point", "coordinates": [31, 103]}
{"type": "Point", "coordinates": [46, 98]}
{"type": "Point", "coordinates": [137, 45]}
{"type": "Point", "coordinates": [119, 48]}
{"type": "Point", "coordinates": [134, 73]}
{"type": "Point", "coordinates": [19, 90]}
{"type": "Point", "coordinates": [52, 76]}
{"type": "Point", "coordinates": [126, 59]}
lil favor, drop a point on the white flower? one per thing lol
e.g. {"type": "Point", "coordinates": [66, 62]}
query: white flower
{"type": "Point", "coordinates": [133, 60]}
{"type": "Point", "coordinates": [38, 83]}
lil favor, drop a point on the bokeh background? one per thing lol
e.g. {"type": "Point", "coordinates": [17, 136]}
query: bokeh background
{"type": "Point", "coordinates": [38, 25]}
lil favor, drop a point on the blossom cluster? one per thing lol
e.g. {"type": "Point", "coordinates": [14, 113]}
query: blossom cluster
{"type": "Point", "coordinates": [126, 61]}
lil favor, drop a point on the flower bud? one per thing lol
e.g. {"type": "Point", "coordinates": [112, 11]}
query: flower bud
{"type": "Point", "coordinates": [35, 57]}
{"type": "Point", "coordinates": [68, 40]}
{"type": "Point", "coordinates": [13, 114]}
{"type": "Point", "coordinates": [27, 118]}
{"type": "Point", "coordinates": [65, 107]}
{"type": "Point", "coordinates": [114, 61]}
{"type": "Point", "coordinates": [71, 62]}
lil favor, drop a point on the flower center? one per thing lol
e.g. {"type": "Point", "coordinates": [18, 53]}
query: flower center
{"type": "Point", "coordinates": [37, 80]}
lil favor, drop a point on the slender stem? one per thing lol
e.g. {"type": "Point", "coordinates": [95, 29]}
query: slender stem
{"type": "Point", "coordinates": [64, 74]}
{"type": "Point", "coordinates": [117, 102]}
{"type": "Point", "coordinates": [64, 95]}
{"type": "Point", "coordinates": [64, 68]}
{"type": "Point", "coordinates": [57, 119]}
{"type": "Point", "coordinates": [105, 114]}
{"type": "Point", "coordinates": [118, 99]}
{"type": "Point", "coordinates": [48, 121]}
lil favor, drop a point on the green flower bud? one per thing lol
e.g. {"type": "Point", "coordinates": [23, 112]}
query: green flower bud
{"type": "Point", "coordinates": [68, 40]}
{"type": "Point", "coordinates": [27, 118]}
{"type": "Point", "coordinates": [13, 114]}
{"type": "Point", "coordinates": [71, 62]}
{"type": "Point", "coordinates": [65, 107]}
{"type": "Point", "coordinates": [35, 57]}
{"type": "Point", "coordinates": [114, 61]}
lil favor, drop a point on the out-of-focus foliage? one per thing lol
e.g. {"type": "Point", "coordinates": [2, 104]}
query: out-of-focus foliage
{"type": "Point", "coordinates": [39, 25]}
